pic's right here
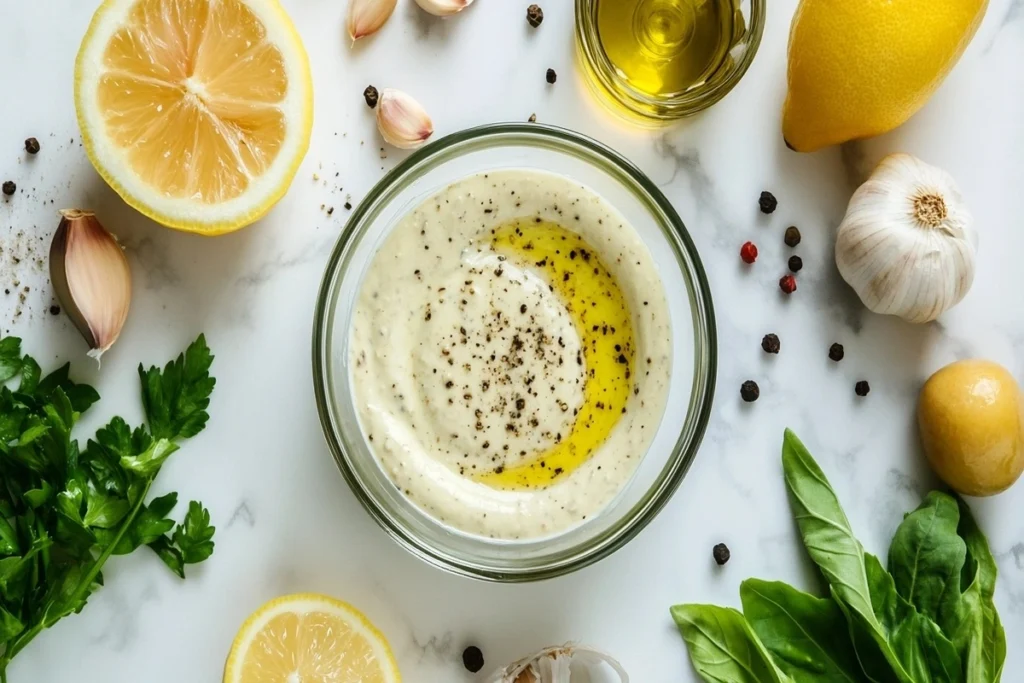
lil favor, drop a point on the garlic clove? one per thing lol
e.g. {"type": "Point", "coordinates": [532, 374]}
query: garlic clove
{"type": "Point", "coordinates": [91, 277]}
{"type": "Point", "coordinates": [444, 8]}
{"type": "Point", "coordinates": [402, 120]}
{"type": "Point", "coordinates": [365, 17]}
{"type": "Point", "coordinates": [907, 245]}
{"type": "Point", "coordinates": [553, 665]}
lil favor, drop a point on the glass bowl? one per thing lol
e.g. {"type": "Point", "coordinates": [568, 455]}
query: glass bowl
{"type": "Point", "coordinates": [522, 146]}
{"type": "Point", "coordinates": [611, 87]}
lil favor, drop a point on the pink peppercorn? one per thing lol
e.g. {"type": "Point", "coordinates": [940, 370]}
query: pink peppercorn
{"type": "Point", "coordinates": [748, 252]}
{"type": "Point", "coordinates": [787, 284]}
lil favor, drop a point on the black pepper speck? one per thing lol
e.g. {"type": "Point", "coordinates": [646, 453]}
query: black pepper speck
{"type": "Point", "coordinates": [792, 237]}
{"type": "Point", "coordinates": [770, 343]}
{"type": "Point", "coordinates": [862, 388]}
{"type": "Point", "coordinates": [32, 146]}
{"type": "Point", "coordinates": [9, 188]}
{"type": "Point", "coordinates": [551, 76]}
{"type": "Point", "coordinates": [473, 659]}
{"type": "Point", "coordinates": [767, 202]}
{"type": "Point", "coordinates": [795, 264]}
{"type": "Point", "coordinates": [749, 391]}
{"type": "Point", "coordinates": [836, 352]}
{"type": "Point", "coordinates": [371, 96]}
{"type": "Point", "coordinates": [534, 15]}
{"type": "Point", "coordinates": [721, 554]}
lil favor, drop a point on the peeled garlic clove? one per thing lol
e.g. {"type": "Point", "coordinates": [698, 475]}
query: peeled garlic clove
{"type": "Point", "coordinates": [402, 120]}
{"type": "Point", "coordinates": [365, 17]}
{"type": "Point", "coordinates": [90, 275]}
{"type": "Point", "coordinates": [907, 244]}
{"type": "Point", "coordinates": [553, 665]}
{"type": "Point", "coordinates": [444, 8]}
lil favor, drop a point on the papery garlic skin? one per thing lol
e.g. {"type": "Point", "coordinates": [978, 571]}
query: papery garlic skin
{"type": "Point", "coordinates": [907, 245]}
{"type": "Point", "coordinates": [91, 278]}
{"type": "Point", "coordinates": [444, 8]}
{"type": "Point", "coordinates": [366, 17]}
{"type": "Point", "coordinates": [402, 121]}
{"type": "Point", "coordinates": [553, 665]}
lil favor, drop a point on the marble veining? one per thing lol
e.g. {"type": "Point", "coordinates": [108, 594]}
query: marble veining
{"type": "Point", "coordinates": [286, 519]}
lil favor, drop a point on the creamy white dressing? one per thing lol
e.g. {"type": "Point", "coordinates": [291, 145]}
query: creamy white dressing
{"type": "Point", "coordinates": [463, 362]}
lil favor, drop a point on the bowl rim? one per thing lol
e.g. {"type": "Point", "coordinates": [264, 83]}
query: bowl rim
{"type": "Point", "coordinates": [702, 391]}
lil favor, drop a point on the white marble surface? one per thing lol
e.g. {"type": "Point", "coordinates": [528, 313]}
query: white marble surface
{"type": "Point", "coordinates": [286, 520]}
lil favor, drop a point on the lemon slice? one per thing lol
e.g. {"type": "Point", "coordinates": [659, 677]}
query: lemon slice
{"type": "Point", "coordinates": [309, 638]}
{"type": "Point", "coordinates": [197, 112]}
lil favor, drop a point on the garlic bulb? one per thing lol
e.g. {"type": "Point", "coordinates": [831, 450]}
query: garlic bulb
{"type": "Point", "coordinates": [552, 665]}
{"type": "Point", "coordinates": [402, 121]}
{"type": "Point", "coordinates": [90, 275]}
{"type": "Point", "coordinates": [907, 244]}
{"type": "Point", "coordinates": [365, 17]}
{"type": "Point", "coordinates": [444, 8]}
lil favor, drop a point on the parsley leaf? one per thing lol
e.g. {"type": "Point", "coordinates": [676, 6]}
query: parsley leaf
{"type": "Point", "coordinates": [194, 536]}
{"type": "Point", "coordinates": [65, 512]}
{"type": "Point", "coordinates": [10, 358]}
{"type": "Point", "coordinates": [191, 543]}
{"type": "Point", "coordinates": [176, 400]}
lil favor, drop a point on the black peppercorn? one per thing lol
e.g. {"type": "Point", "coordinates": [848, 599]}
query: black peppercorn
{"type": "Point", "coordinates": [370, 95]}
{"type": "Point", "coordinates": [770, 343]}
{"type": "Point", "coordinates": [721, 553]}
{"type": "Point", "coordinates": [534, 15]}
{"type": "Point", "coordinates": [55, 310]}
{"type": "Point", "coordinates": [473, 659]}
{"type": "Point", "coordinates": [32, 146]}
{"type": "Point", "coordinates": [792, 237]}
{"type": "Point", "coordinates": [836, 352]}
{"type": "Point", "coordinates": [749, 391]}
{"type": "Point", "coordinates": [795, 263]}
{"type": "Point", "coordinates": [767, 202]}
{"type": "Point", "coordinates": [552, 76]}
{"type": "Point", "coordinates": [9, 188]}
{"type": "Point", "coordinates": [348, 206]}
{"type": "Point", "coordinates": [862, 388]}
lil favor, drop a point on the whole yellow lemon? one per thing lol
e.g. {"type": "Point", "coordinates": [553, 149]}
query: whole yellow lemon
{"type": "Point", "coordinates": [859, 68]}
{"type": "Point", "coordinates": [971, 418]}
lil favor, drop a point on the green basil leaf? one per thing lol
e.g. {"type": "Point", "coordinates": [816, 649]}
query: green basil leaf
{"type": "Point", "coordinates": [926, 556]}
{"type": "Point", "coordinates": [723, 647]}
{"type": "Point", "coordinates": [974, 626]}
{"type": "Point", "coordinates": [925, 653]}
{"type": "Point", "coordinates": [806, 636]}
{"type": "Point", "coordinates": [830, 542]}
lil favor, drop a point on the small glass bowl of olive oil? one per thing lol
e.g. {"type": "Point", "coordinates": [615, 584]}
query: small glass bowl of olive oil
{"type": "Point", "coordinates": [655, 61]}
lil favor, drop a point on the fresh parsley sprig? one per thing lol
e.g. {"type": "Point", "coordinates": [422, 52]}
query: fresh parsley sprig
{"type": "Point", "coordinates": [64, 511]}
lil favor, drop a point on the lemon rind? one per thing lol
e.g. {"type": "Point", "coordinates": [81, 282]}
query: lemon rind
{"type": "Point", "coordinates": [185, 214]}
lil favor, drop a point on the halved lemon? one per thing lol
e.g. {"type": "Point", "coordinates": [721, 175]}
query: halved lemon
{"type": "Point", "coordinates": [197, 112]}
{"type": "Point", "coordinates": [313, 639]}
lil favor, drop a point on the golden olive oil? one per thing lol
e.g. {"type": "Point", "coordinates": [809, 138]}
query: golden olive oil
{"type": "Point", "coordinates": [604, 321]}
{"type": "Point", "coordinates": [663, 48]}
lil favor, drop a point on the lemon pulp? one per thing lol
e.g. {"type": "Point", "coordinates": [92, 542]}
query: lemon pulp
{"type": "Point", "coordinates": [189, 94]}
